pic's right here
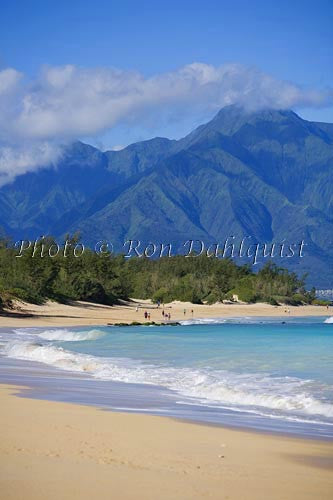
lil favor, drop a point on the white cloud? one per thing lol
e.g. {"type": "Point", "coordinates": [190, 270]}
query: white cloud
{"type": "Point", "coordinates": [68, 102]}
{"type": "Point", "coordinates": [24, 158]}
{"type": "Point", "coordinates": [9, 79]}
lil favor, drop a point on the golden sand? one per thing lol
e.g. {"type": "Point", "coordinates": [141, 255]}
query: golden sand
{"type": "Point", "coordinates": [60, 451]}
{"type": "Point", "coordinates": [86, 313]}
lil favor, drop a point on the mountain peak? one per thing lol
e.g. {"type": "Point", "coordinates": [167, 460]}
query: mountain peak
{"type": "Point", "coordinates": [231, 118]}
{"type": "Point", "coordinates": [269, 170]}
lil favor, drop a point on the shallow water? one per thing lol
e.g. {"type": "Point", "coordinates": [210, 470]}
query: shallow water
{"type": "Point", "coordinates": [270, 374]}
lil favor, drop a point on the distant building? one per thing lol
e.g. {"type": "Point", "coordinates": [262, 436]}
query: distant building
{"type": "Point", "coordinates": [324, 294]}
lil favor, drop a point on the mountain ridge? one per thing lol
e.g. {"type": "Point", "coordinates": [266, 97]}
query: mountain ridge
{"type": "Point", "coordinates": [270, 171]}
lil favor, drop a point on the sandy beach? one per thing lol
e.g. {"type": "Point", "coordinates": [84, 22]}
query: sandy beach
{"type": "Point", "coordinates": [64, 451]}
{"type": "Point", "coordinates": [87, 313]}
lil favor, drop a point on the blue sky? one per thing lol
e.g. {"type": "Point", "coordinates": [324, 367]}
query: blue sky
{"type": "Point", "coordinates": [290, 40]}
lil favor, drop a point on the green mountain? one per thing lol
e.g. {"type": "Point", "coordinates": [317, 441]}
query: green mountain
{"type": "Point", "coordinates": [267, 175]}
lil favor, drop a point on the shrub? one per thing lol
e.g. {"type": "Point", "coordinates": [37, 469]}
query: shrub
{"type": "Point", "coordinates": [89, 289]}
{"type": "Point", "coordinates": [27, 295]}
{"type": "Point", "coordinates": [299, 298]}
{"type": "Point", "coordinates": [212, 298]}
{"type": "Point", "coordinates": [290, 301]}
{"type": "Point", "coordinates": [272, 301]}
{"type": "Point", "coordinates": [320, 302]}
{"type": "Point", "coordinates": [245, 290]}
{"type": "Point", "coordinates": [163, 295]}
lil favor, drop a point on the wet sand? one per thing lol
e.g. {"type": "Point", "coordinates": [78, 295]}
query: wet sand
{"type": "Point", "coordinates": [64, 451]}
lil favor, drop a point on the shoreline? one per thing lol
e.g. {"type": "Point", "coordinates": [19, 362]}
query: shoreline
{"type": "Point", "coordinates": [77, 450]}
{"type": "Point", "coordinates": [39, 390]}
{"type": "Point", "coordinates": [81, 313]}
{"type": "Point", "coordinates": [180, 414]}
{"type": "Point", "coordinates": [32, 394]}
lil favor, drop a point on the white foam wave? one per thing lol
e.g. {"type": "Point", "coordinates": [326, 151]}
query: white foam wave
{"type": "Point", "coordinates": [236, 319]}
{"type": "Point", "coordinates": [70, 335]}
{"type": "Point", "coordinates": [220, 387]}
{"type": "Point", "coordinates": [202, 321]}
{"type": "Point", "coordinates": [329, 320]}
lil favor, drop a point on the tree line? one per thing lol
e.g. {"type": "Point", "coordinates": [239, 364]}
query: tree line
{"type": "Point", "coordinates": [107, 278]}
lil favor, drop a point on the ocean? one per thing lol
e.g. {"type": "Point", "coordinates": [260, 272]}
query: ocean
{"type": "Point", "coordinates": [268, 374]}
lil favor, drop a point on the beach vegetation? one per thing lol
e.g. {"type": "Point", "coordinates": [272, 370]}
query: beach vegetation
{"type": "Point", "coordinates": [35, 277]}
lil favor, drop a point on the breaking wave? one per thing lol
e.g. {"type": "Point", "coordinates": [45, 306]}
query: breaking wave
{"type": "Point", "coordinates": [70, 336]}
{"type": "Point", "coordinates": [203, 321]}
{"type": "Point", "coordinates": [277, 396]}
{"type": "Point", "coordinates": [244, 320]}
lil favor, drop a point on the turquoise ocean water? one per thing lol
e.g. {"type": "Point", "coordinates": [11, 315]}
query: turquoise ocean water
{"type": "Point", "coordinates": [270, 374]}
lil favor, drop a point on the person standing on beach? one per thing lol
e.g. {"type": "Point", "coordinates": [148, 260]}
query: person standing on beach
{"type": "Point", "coordinates": [184, 312]}
{"type": "Point", "coordinates": [146, 315]}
